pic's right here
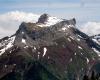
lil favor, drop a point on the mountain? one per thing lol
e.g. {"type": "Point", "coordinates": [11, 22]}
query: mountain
{"type": "Point", "coordinates": [49, 49]}
{"type": "Point", "coordinates": [96, 38]}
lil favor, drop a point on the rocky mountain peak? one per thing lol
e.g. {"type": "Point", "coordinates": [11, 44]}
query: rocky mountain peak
{"type": "Point", "coordinates": [43, 18]}
{"type": "Point", "coordinates": [50, 49]}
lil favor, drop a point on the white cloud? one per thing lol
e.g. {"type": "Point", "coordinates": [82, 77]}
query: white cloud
{"type": "Point", "coordinates": [9, 22]}
{"type": "Point", "coordinates": [91, 28]}
{"type": "Point", "coordinates": [5, 32]}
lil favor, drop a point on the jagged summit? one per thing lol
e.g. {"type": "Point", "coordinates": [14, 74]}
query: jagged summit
{"type": "Point", "coordinates": [50, 49]}
{"type": "Point", "coordinates": [47, 20]}
{"type": "Point", "coordinates": [33, 32]}
{"type": "Point", "coordinates": [43, 18]}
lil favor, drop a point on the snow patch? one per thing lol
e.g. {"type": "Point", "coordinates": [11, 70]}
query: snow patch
{"type": "Point", "coordinates": [7, 44]}
{"type": "Point", "coordinates": [63, 28]}
{"type": "Point", "coordinates": [95, 40]}
{"type": "Point", "coordinates": [5, 66]}
{"type": "Point", "coordinates": [38, 55]}
{"type": "Point", "coordinates": [70, 26]}
{"type": "Point", "coordinates": [66, 27]}
{"type": "Point", "coordinates": [14, 64]}
{"type": "Point", "coordinates": [69, 39]}
{"type": "Point", "coordinates": [10, 51]}
{"type": "Point", "coordinates": [23, 41]}
{"type": "Point", "coordinates": [74, 53]}
{"type": "Point", "coordinates": [70, 59]}
{"type": "Point", "coordinates": [45, 50]}
{"type": "Point", "coordinates": [51, 21]}
{"type": "Point", "coordinates": [79, 36]}
{"type": "Point", "coordinates": [78, 39]}
{"type": "Point", "coordinates": [87, 60]}
{"type": "Point", "coordinates": [79, 47]}
{"type": "Point", "coordinates": [81, 53]}
{"type": "Point", "coordinates": [22, 32]}
{"type": "Point", "coordinates": [48, 57]}
{"type": "Point", "coordinates": [95, 50]}
{"type": "Point", "coordinates": [34, 48]}
{"type": "Point", "coordinates": [26, 47]}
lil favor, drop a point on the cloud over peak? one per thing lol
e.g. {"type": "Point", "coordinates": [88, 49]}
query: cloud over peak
{"type": "Point", "coordinates": [19, 16]}
{"type": "Point", "coordinates": [9, 22]}
{"type": "Point", "coordinates": [91, 28]}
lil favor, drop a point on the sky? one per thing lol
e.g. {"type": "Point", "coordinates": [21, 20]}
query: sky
{"type": "Point", "coordinates": [85, 12]}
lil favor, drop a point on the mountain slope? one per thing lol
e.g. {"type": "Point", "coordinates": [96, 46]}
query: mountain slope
{"type": "Point", "coordinates": [52, 47]}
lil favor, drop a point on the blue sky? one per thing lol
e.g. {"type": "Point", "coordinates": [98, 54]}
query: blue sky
{"type": "Point", "coordinates": [82, 10]}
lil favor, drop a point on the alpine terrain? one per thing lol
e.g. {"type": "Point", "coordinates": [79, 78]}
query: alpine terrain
{"type": "Point", "coordinates": [50, 49]}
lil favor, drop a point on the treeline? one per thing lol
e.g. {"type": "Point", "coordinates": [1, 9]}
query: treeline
{"type": "Point", "coordinates": [93, 76]}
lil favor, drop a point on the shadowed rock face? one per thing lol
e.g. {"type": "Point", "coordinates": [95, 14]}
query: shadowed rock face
{"type": "Point", "coordinates": [56, 52]}
{"type": "Point", "coordinates": [43, 18]}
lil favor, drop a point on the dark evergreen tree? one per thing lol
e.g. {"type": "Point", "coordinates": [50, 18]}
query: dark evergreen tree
{"type": "Point", "coordinates": [93, 77]}
{"type": "Point", "coordinates": [85, 77]}
{"type": "Point", "coordinates": [98, 76]}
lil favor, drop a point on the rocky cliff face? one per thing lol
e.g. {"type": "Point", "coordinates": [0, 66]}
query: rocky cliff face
{"type": "Point", "coordinates": [50, 49]}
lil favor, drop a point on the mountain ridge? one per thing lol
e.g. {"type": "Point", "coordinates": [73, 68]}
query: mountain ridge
{"type": "Point", "coordinates": [60, 48]}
